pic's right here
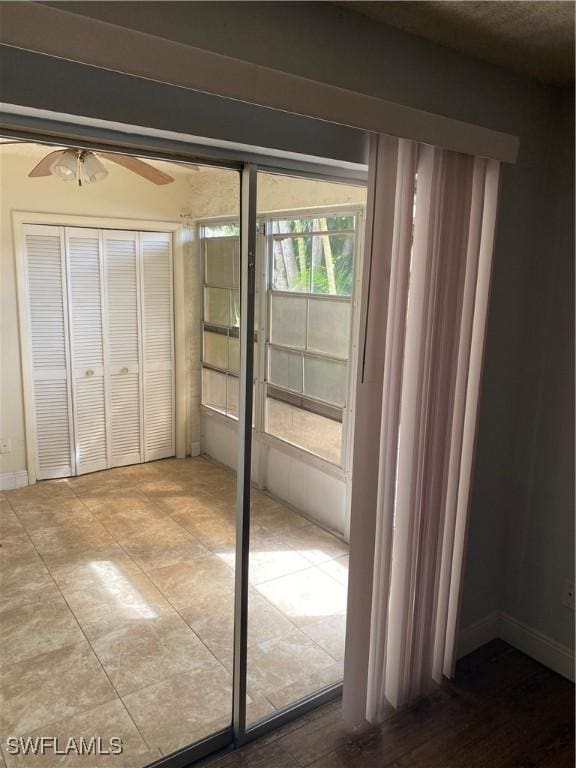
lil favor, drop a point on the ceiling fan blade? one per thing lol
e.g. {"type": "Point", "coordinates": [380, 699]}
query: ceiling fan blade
{"type": "Point", "coordinates": [138, 166]}
{"type": "Point", "coordinates": [43, 167]}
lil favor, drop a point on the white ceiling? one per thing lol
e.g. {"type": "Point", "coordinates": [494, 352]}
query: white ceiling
{"type": "Point", "coordinates": [531, 37]}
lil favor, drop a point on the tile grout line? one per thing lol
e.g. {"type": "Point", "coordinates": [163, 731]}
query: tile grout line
{"type": "Point", "coordinates": [158, 588]}
{"type": "Point", "coordinates": [301, 570]}
{"type": "Point", "coordinates": [77, 622]}
{"type": "Point", "coordinates": [169, 513]}
{"type": "Point", "coordinates": [90, 643]}
{"type": "Point", "coordinates": [295, 627]}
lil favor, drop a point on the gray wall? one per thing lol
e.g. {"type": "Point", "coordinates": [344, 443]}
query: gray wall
{"type": "Point", "coordinates": [539, 526]}
{"type": "Point", "coordinates": [521, 534]}
{"type": "Point", "coordinates": [46, 82]}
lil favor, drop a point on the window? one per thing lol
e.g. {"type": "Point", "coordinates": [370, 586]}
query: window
{"type": "Point", "coordinates": [309, 310]}
{"type": "Point", "coordinates": [221, 317]}
{"type": "Point", "coordinates": [314, 255]}
{"type": "Point", "coordinates": [307, 273]}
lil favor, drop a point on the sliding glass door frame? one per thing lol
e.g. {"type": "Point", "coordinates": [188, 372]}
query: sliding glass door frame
{"type": "Point", "coordinates": [239, 732]}
{"type": "Point", "coordinates": [244, 447]}
{"type": "Point", "coordinates": [43, 131]}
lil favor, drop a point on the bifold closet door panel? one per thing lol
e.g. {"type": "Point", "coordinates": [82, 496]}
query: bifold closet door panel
{"type": "Point", "coordinates": [87, 350]}
{"type": "Point", "coordinates": [122, 286]}
{"type": "Point", "coordinates": [158, 344]}
{"type": "Point", "coordinates": [48, 353]}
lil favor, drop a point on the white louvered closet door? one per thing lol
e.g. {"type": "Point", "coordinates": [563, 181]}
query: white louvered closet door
{"type": "Point", "coordinates": [122, 285]}
{"type": "Point", "coordinates": [50, 371]}
{"type": "Point", "coordinates": [87, 348]}
{"type": "Point", "coordinates": [158, 345]}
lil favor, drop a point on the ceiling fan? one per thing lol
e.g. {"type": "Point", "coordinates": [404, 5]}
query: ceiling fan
{"type": "Point", "coordinates": [85, 166]}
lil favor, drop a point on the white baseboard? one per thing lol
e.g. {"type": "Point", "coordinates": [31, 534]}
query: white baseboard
{"type": "Point", "coordinates": [195, 449]}
{"type": "Point", "coordinates": [478, 634]}
{"type": "Point", "coordinates": [11, 480]}
{"type": "Point", "coordinates": [499, 624]}
{"type": "Point", "coordinates": [549, 652]}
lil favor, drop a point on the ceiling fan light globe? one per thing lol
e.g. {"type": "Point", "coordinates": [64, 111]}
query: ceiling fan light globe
{"type": "Point", "coordinates": [65, 166]}
{"type": "Point", "coordinates": [92, 169]}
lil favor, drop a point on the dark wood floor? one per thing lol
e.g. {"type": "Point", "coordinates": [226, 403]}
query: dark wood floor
{"type": "Point", "coordinates": [504, 710]}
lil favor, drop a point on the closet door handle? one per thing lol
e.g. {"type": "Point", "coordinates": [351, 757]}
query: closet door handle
{"type": "Point", "coordinates": [124, 370]}
{"type": "Point", "coordinates": [89, 372]}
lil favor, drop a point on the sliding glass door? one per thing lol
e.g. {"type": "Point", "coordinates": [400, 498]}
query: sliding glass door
{"type": "Point", "coordinates": [307, 250]}
{"type": "Point", "coordinates": [277, 280]}
{"type": "Point", "coordinates": [193, 448]}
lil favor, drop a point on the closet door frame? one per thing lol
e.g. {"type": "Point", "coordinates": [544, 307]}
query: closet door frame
{"type": "Point", "coordinates": [177, 230]}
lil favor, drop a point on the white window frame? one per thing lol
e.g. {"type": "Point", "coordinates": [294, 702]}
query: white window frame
{"type": "Point", "coordinates": [343, 470]}
{"type": "Point", "coordinates": [202, 261]}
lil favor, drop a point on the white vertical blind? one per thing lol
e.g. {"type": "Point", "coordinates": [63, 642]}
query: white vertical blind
{"type": "Point", "coordinates": [391, 394]}
{"type": "Point", "coordinates": [158, 345]}
{"type": "Point", "coordinates": [441, 232]}
{"type": "Point", "coordinates": [44, 254]}
{"type": "Point", "coordinates": [124, 342]}
{"type": "Point", "coordinates": [436, 296]}
{"type": "Point", "coordinates": [87, 348]}
{"type": "Point", "coordinates": [474, 321]}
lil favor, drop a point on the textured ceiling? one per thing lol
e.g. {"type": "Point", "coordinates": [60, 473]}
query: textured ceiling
{"type": "Point", "coordinates": [529, 37]}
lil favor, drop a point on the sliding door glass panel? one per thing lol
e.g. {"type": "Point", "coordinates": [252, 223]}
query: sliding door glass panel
{"type": "Point", "coordinates": [285, 369]}
{"type": "Point", "coordinates": [232, 387]}
{"type": "Point", "coordinates": [309, 280]}
{"type": "Point", "coordinates": [329, 327]}
{"type": "Point", "coordinates": [233, 354]}
{"type": "Point", "coordinates": [298, 567]}
{"type": "Point", "coordinates": [217, 303]}
{"type": "Point", "coordinates": [202, 579]}
{"type": "Point", "coordinates": [220, 245]}
{"type": "Point", "coordinates": [235, 309]}
{"type": "Point", "coordinates": [220, 258]}
{"type": "Point", "coordinates": [332, 263]}
{"type": "Point", "coordinates": [214, 389]}
{"type": "Point", "coordinates": [216, 348]}
{"type": "Point", "coordinates": [288, 321]}
{"type": "Point", "coordinates": [291, 260]}
{"type": "Point", "coordinates": [325, 380]}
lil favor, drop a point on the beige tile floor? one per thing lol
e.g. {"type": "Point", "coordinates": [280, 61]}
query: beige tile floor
{"type": "Point", "coordinates": [116, 603]}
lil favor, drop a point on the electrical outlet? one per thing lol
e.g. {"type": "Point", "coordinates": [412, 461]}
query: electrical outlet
{"type": "Point", "coordinates": [5, 446]}
{"type": "Point", "coordinates": [568, 594]}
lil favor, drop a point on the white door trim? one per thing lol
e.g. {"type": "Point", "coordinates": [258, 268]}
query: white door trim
{"type": "Point", "coordinates": [19, 219]}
